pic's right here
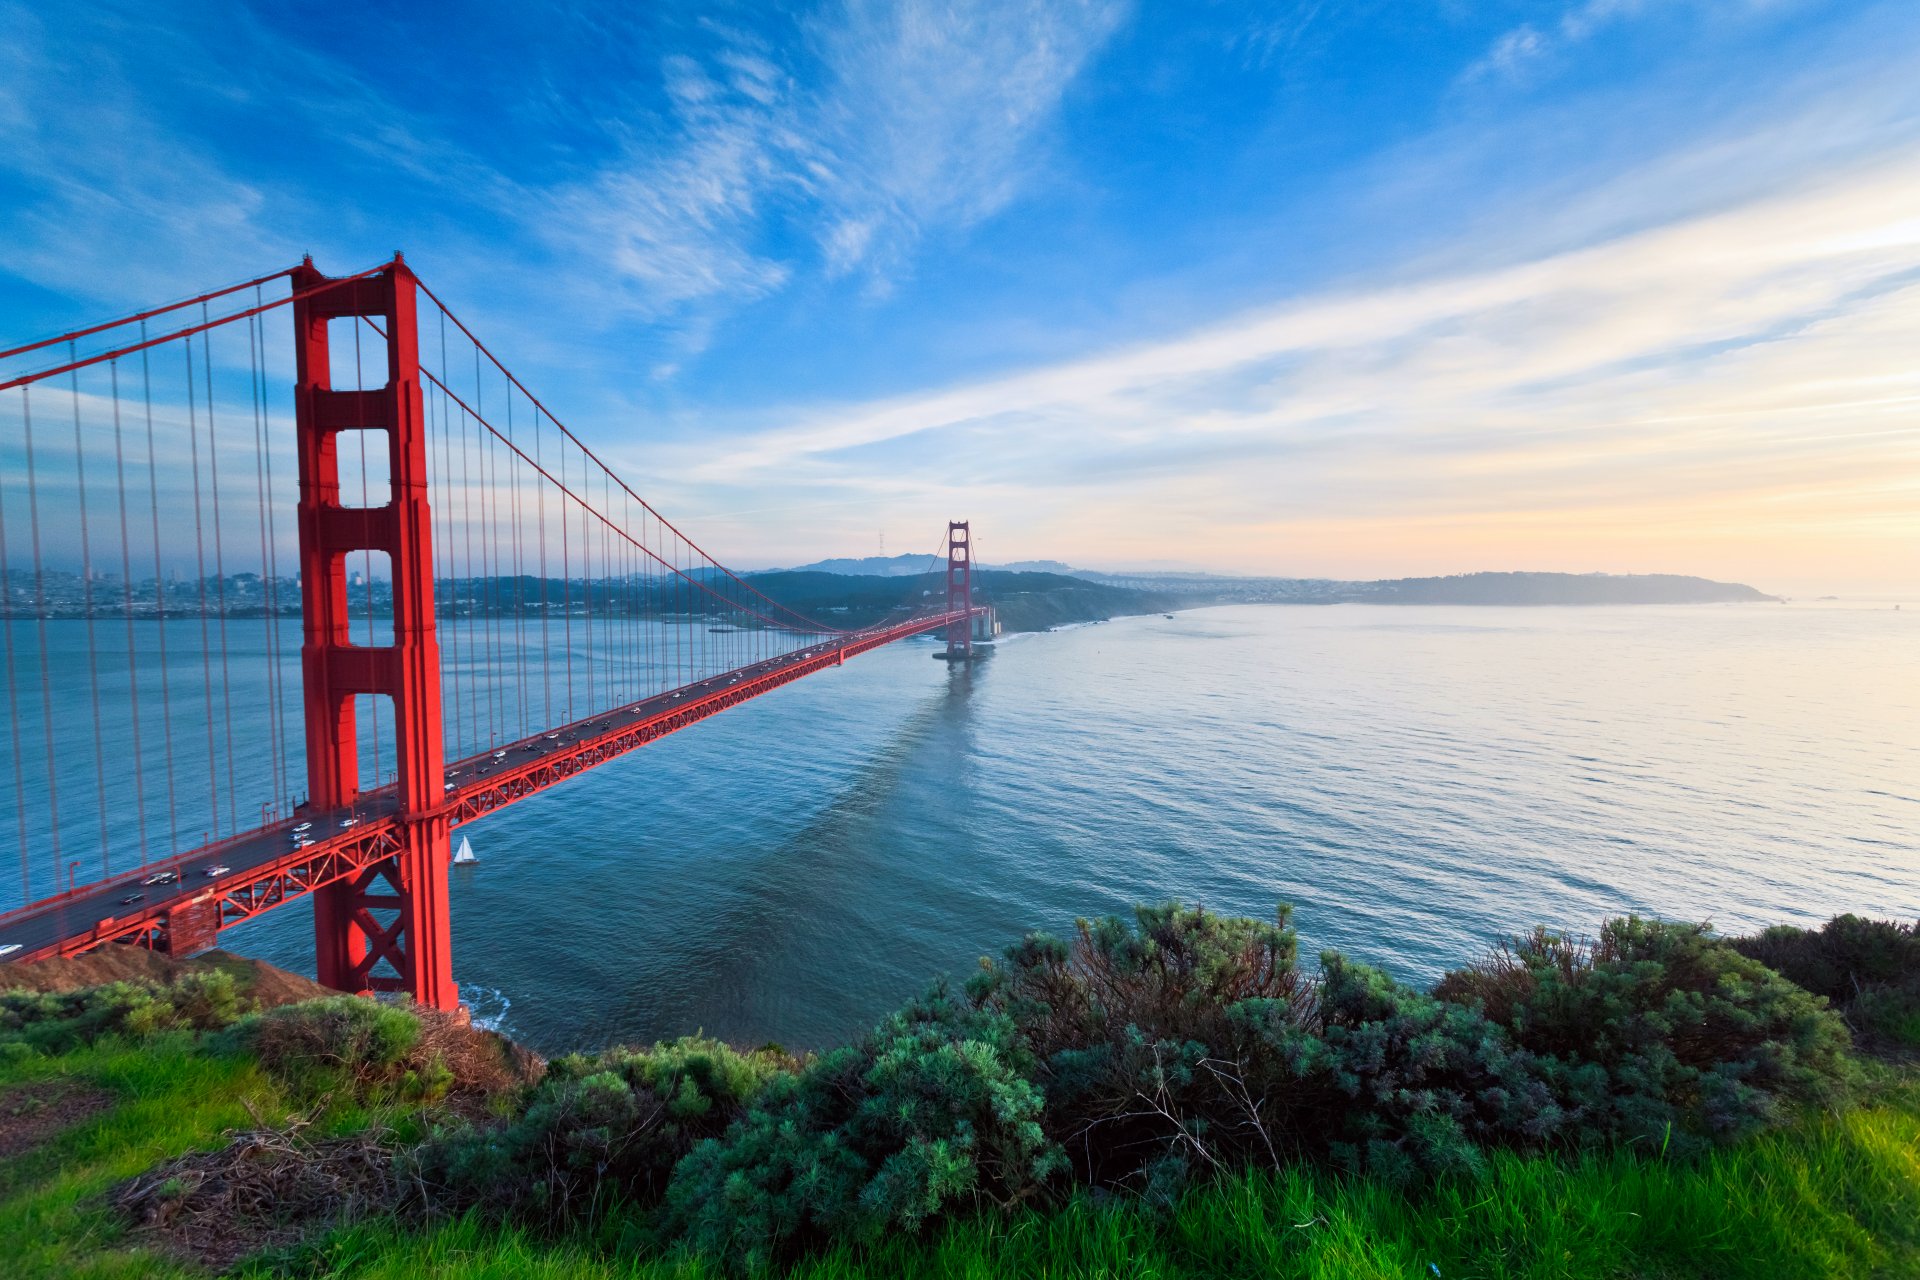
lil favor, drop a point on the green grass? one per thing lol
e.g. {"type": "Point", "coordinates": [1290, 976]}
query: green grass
{"type": "Point", "coordinates": [1834, 1196]}
{"type": "Point", "coordinates": [173, 1096]}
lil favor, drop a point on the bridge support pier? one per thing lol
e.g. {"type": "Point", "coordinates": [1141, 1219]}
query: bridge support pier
{"type": "Point", "coordinates": [385, 929]}
{"type": "Point", "coordinates": [394, 912]}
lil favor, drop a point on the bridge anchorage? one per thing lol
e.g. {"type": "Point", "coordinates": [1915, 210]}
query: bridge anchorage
{"type": "Point", "coordinates": [538, 618]}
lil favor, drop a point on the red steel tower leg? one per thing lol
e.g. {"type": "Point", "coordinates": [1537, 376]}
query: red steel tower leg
{"type": "Point", "coordinates": [960, 590]}
{"type": "Point", "coordinates": [350, 939]}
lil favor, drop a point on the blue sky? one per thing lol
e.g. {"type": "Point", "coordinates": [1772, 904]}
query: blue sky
{"type": "Point", "coordinates": [1351, 289]}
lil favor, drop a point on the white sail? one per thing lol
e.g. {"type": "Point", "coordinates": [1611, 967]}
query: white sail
{"type": "Point", "coordinates": [465, 852]}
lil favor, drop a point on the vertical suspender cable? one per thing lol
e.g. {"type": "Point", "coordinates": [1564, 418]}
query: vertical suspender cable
{"type": "Point", "coordinates": [86, 598]}
{"type": "Point", "coordinates": [489, 545]}
{"type": "Point", "coordinates": [443, 549]}
{"type": "Point", "coordinates": [566, 577]}
{"type": "Point", "coordinates": [159, 596]}
{"type": "Point", "coordinates": [40, 622]}
{"type": "Point", "coordinates": [126, 605]}
{"type": "Point", "coordinates": [519, 576]}
{"type": "Point", "coordinates": [200, 586]}
{"type": "Point", "coordinates": [220, 571]}
{"type": "Point", "coordinates": [586, 595]}
{"type": "Point", "coordinates": [278, 655]}
{"type": "Point", "coordinates": [546, 644]}
{"type": "Point", "coordinates": [13, 701]}
{"type": "Point", "coordinates": [266, 579]}
{"type": "Point", "coordinates": [453, 550]}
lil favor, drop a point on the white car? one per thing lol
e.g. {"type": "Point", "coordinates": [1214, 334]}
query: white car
{"type": "Point", "coordinates": [349, 822]}
{"type": "Point", "coordinates": [8, 948]}
{"type": "Point", "coordinates": [215, 870]}
{"type": "Point", "coordinates": [305, 826]}
{"type": "Point", "coordinates": [161, 877]}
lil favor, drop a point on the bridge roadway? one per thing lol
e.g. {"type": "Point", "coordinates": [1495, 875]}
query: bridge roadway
{"type": "Point", "coordinates": [241, 877]}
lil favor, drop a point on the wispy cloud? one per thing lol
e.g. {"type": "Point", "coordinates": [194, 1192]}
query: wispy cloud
{"type": "Point", "coordinates": [1521, 51]}
{"type": "Point", "coordinates": [883, 122]}
{"type": "Point", "coordinates": [93, 172]}
{"type": "Point", "coordinates": [1744, 372]}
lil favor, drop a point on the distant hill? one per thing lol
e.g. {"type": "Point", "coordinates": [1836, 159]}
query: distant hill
{"type": "Point", "coordinates": [864, 567]}
{"type": "Point", "coordinates": [908, 565]}
{"type": "Point", "coordinates": [1033, 601]}
{"type": "Point", "coordinates": [1024, 601]}
{"type": "Point", "coordinates": [1558, 588]}
{"type": "Point", "coordinates": [1462, 588]}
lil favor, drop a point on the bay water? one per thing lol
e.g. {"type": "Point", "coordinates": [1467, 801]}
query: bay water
{"type": "Point", "coordinates": [1414, 780]}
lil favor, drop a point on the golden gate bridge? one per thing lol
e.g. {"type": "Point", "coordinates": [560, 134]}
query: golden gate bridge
{"type": "Point", "coordinates": [537, 617]}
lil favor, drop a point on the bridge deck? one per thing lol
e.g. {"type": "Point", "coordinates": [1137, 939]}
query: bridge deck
{"type": "Point", "coordinates": [243, 876]}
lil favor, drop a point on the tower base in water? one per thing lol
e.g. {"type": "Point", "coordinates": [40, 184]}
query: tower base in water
{"type": "Point", "coordinates": [974, 653]}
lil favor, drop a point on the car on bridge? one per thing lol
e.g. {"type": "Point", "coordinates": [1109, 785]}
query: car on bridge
{"type": "Point", "coordinates": [161, 877]}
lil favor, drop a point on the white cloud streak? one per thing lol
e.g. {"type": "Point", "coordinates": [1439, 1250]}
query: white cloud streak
{"type": "Point", "coordinates": [1745, 371]}
{"type": "Point", "coordinates": [910, 117]}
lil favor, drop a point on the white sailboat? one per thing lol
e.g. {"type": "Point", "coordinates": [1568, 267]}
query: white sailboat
{"type": "Point", "coordinates": [464, 854]}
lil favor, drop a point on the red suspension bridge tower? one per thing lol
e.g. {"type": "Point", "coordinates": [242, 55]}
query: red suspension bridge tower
{"type": "Point", "coordinates": [960, 590]}
{"type": "Point", "coordinates": [409, 888]}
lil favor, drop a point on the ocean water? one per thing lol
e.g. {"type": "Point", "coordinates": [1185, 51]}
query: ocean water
{"type": "Point", "coordinates": [1414, 780]}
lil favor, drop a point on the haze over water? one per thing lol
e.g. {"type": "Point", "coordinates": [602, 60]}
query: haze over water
{"type": "Point", "coordinates": [1414, 780]}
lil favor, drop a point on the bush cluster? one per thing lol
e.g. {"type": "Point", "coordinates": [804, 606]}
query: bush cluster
{"type": "Point", "coordinates": [365, 1039]}
{"type": "Point", "coordinates": [57, 1021]}
{"type": "Point", "coordinates": [1143, 1038]}
{"type": "Point", "coordinates": [1869, 969]}
{"type": "Point", "coordinates": [1145, 1053]}
{"type": "Point", "coordinates": [1663, 1033]}
{"type": "Point", "coordinates": [598, 1130]}
{"type": "Point", "coordinates": [932, 1110]}
{"type": "Point", "coordinates": [1135, 1057]}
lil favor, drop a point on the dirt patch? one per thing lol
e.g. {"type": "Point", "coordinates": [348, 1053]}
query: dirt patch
{"type": "Point", "coordinates": [33, 1114]}
{"type": "Point", "coordinates": [483, 1063]}
{"type": "Point", "coordinates": [258, 981]}
{"type": "Point", "coordinates": [96, 968]}
{"type": "Point", "coordinates": [267, 1187]}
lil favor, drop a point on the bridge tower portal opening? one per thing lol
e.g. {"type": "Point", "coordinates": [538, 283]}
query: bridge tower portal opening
{"type": "Point", "coordinates": [393, 913]}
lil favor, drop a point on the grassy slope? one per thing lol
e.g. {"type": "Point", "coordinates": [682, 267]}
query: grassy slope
{"type": "Point", "coordinates": [174, 1097]}
{"type": "Point", "coordinates": [1836, 1196]}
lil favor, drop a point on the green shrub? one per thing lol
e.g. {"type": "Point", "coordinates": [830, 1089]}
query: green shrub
{"type": "Point", "coordinates": [1697, 1041]}
{"type": "Point", "coordinates": [599, 1130]}
{"type": "Point", "coordinates": [56, 1021]}
{"type": "Point", "coordinates": [1869, 969]}
{"type": "Point", "coordinates": [930, 1111]}
{"type": "Point", "coordinates": [1407, 1086]}
{"type": "Point", "coordinates": [1841, 958]}
{"type": "Point", "coordinates": [362, 1037]}
{"type": "Point", "coordinates": [1136, 1029]}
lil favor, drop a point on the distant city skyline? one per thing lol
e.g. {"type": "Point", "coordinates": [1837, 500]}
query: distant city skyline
{"type": "Point", "coordinates": [1350, 291]}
